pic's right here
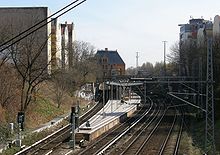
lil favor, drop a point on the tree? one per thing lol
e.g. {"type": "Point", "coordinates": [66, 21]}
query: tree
{"type": "Point", "coordinates": [158, 69]}
{"type": "Point", "coordinates": [131, 71]}
{"type": "Point", "coordinates": [186, 56]}
{"type": "Point", "coordinates": [8, 85]}
{"type": "Point", "coordinates": [29, 57]}
{"type": "Point", "coordinates": [4, 55]}
{"type": "Point", "coordinates": [216, 61]}
{"type": "Point", "coordinates": [147, 69]}
{"type": "Point", "coordinates": [28, 63]}
{"type": "Point", "coordinates": [174, 60]}
{"type": "Point", "coordinates": [60, 85]}
{"type": "Point", "coordinates": [84, 63]}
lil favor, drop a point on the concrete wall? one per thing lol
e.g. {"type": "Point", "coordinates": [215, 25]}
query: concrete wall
{"type": "Point", "coordinates": [55, 44]}
{"type": "Point", "coordinates": [67, 34]}
{"type": "Point", "coordinates": [15, 20]}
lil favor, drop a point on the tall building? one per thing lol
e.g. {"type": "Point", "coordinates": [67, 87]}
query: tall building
{"type": "Point", "coordinates": [56, 45]}
{"type": "Point", "coordinates": [216, 26]}
{"type": "Point", "coordinates": [193, 36]}
{"type": "Point", "coordinates": [55, 39]}
{"type": "Point", "coordinates": [67, 35]}
{"type": "Point", "coordinates": [14, 20]}
{"type": "Point", "coordinates": [111, 63]}
{"type": "Point", "coordinates": [195, 31]}
{"type": "Point", "coordinates": [190, 30]}
{"type": "Point", "coordinates": [62, 38]}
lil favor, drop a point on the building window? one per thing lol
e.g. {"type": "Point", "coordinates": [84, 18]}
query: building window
{"type": "Point", "coordinates": [104, 60]}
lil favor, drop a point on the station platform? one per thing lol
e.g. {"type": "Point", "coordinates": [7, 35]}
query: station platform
{"type": "Point", "coordinates": [114, 113]}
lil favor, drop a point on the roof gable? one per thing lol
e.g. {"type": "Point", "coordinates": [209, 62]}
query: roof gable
{"type": "Point", "coordinates": [113, 56]}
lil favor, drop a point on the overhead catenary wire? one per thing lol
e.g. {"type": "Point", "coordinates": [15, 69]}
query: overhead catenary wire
{"type": "Point", "coordinates": [24, 36]}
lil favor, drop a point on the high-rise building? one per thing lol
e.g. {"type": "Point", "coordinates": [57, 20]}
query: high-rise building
{"type": "Point", "coordinates": [190, 30]}
{"type": "Point", "coordinates": [62, 37]}
{"type": "Point", "coordinates": [55, 39]}
{"type": "Point", "coordinates": [67, 35]}
{"type": "Point", "coordinates": [14, 20]}
{"type": "Point", "coordinates": [192, 37]}
{"type": "Point", "coordinates": [216, 26]}
{"type": "Point", "coordinates": [56, 58]}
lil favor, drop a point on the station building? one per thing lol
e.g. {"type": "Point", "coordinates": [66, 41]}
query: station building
{"type": "Point", "coordinates": [111, 63]}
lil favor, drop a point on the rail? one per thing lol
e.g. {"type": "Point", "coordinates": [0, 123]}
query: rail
{"type": "Point", "coordinates": [59, 133]}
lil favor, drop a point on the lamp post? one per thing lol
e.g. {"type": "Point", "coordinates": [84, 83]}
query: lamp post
{"type": "Point", "coordinates": [164, 59]}
{"type": "Point", "coordinates": [103, 99]}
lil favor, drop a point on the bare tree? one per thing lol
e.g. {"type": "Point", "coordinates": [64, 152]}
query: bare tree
{"type": "Point", "coordinates": [158, 69]}
{"type": "Point", "coordinates": [174, 60]}
{"type": "Point", "coordinates": [60, 86]}
{"type": "Point", "coordinates": [30, 59]}
{"type": "Point", "coordinates": [31, 67]}
{"type": "Point", "coordinates": [147, 69]}
{"type": "Point", "coordinates": [8, 85]}
{"type": "Point", "coordinates": [84, 63]}
{"type": "Point", "coordinates": [130, 71]}
{"type": "Point", "coordinates": [174, 56]}
{"type": "Point", "coordinates": [5, 35]}
{"type": "Point", "coordinates": [216, 61]}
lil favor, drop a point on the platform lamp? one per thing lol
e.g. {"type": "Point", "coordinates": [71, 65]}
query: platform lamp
{"type": "Point", "coordinates": [111, 97]}
{"type": "Point", "coordinates": [103, 98]}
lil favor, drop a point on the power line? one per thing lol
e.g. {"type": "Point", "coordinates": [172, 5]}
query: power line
{"type": "Point", "coordinates": [37, 24]}
{"type": "Point", "coordinates": [7, 46]}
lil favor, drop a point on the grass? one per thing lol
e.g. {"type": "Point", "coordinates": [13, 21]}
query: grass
{"type": "Point", "coordinates": [187, 147]}
{"type": "Point", "coordinates": [10, 151]}
{"type": "Point", "coordinates": [194, 138]}
{"type": "Point", "coordinates": [43, 111]}
{"type": "Point", "coordinates": [217, 135]}
{"type": "Point", "coordinates": [32, 138]}
{"type": "Point", "coordinates": [27, 141]}
{"type": "Point", "coordinates": [47, 109]}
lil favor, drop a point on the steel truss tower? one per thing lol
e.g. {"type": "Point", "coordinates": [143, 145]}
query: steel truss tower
{"type": "Point", "coordinates": [209, 133]}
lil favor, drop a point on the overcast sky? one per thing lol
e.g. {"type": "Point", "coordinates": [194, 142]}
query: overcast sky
{"type": "Point", "coordinates": [129, 26]}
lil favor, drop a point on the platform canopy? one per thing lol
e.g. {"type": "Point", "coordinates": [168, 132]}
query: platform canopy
{"type": "Point", "coordinates": [125, 84]}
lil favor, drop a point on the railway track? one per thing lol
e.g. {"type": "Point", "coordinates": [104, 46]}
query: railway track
{"type": "Point", "coordinates": [156, 139]}
{"type": "Point", "coordinates": [151, 131]}
{"type": "Point", "coordinates": [100, 145]}
{"type": "Point", "coordinates": [158, 133]}
{"type": "Point", "coordinates": [172, 141]}
{"type": "Point", "coordinates": [46, 145]}
{"type": "Point", "coordinates": [132, 144]}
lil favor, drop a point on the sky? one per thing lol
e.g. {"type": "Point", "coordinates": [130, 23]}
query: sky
{"type": "Point", "coordinates": [129, 26]}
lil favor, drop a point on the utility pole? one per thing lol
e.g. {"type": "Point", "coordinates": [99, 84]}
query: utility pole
{"type": "Point", "coordinates": [164, 54]}
{"type": "Point", "coordinates": [210, 128]}
{"type": "Point", "coordinates": [103, 99]}
{"type": "Point", "coordinates": [137, 57]}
